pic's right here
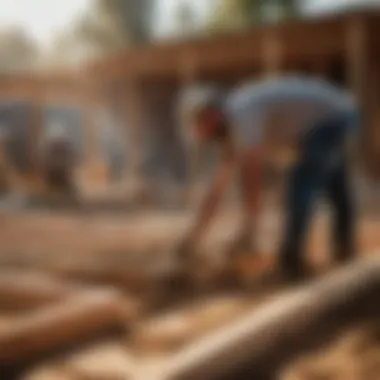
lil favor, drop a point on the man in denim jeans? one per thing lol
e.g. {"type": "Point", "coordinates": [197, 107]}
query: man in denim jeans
{"type": "Point", "coordinates": [300, 121]}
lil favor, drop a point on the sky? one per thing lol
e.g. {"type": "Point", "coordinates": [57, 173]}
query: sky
{"type": "Point", "coordinates": [42, 18]}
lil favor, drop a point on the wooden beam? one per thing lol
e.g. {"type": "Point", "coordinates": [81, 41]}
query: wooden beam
{"type": "Point", "coordinates": [269, 337]}
{"type": "Point", "coordinates": [23, 290]}
{"type": "Point", "coordinates": [133, 124]}
{"type": "Point", "coordinates": [175, 329]}
{"type": "Point", "coordinates": [55, 326]}
{"type": "Point", "coordinates": [227, 53]}
{"type": "Point", "coordinates": [34, 137]}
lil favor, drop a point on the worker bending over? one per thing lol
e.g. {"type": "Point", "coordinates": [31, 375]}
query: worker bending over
{"type": "Point", "coordinates": [301, 121]}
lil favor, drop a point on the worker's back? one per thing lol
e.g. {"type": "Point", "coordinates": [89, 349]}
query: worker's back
{"type": "Point", "coordinates": [287, 104]}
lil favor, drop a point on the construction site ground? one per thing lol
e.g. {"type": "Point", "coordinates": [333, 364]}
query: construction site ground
{"type": "Point", "coordinates": [85, 296]}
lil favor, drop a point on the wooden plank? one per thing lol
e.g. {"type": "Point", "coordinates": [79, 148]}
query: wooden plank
{"type": "Point", "coordinates": [227, 52]}
{"type": "Point", "coordinates": [177, 328]}
{"type": "Point", "coordinates": [25, 289]}
{"type": "Point", "coordinates": [106, 361]}
{"type": "Point", "coordinates": [49, 374]}
{"type": "Point", "coordinates": [75, 318]}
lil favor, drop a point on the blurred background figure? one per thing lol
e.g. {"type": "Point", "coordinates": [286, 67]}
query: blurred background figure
{"type": "Point", "coordinates": [59, 160]}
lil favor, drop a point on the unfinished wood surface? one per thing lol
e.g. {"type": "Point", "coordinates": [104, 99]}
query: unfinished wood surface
{"type": "Point", "coordinates": [55, 373]}
{"type": "Point", "coordinates": [355, 355]}
{"type": "Point", "coordinates": [26, 289]}
{"type": "Point", "coordinates": [100, 245]}
{"type": "Point", "coordinates": [172, 331]}
{"type": "Point", "coordinates": [108, 361]}
{"type": "Point", "coordinates": [272, 49]}
{"type": "Point", "coordinates": [66, 322]}
{"type": "Point", "coordinates": [272, 335]}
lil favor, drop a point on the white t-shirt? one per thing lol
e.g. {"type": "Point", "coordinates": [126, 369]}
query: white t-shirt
{"type": "Point", "coordinates": [302, 101]}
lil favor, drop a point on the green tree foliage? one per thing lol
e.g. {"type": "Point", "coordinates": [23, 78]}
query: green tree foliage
{"type": "Point", "coordinates": [104, 26]}
{"type": "Point", "coordinates": [234, 15]}
{"type": "Point", "coordinates": [229, 15]}
{"type": "Point", "coordinates": [112, 25]}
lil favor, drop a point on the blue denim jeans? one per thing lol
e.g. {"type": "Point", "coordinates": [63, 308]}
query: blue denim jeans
{"type": "Point", "coordinates": [320, 170]}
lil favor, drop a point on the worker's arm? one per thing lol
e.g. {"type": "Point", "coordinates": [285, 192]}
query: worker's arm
{"type": "Point", "coordinates": [210, 203]}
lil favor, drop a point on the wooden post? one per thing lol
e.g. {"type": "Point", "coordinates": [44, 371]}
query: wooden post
{"type": "Point", "coordinates": [272, 54]}
{"type": "Point", "coordinates": [133, 123]}
{"type": "Point", "coordinates": [93, 163]}
{"type": "Point", "coordinates": [374, 92]}
{"type": "Point", "coordinates": [360, 66]}
{"type": "Point", "coordinates": [357, 56]}
{"type": "Point", "coordinates": [188, 75]}
{"type": "Point", "coordinates": [91, 143]}
{"type": "Point", "coordinates": [34, 136]}
{"type": "Point", "coordinates": [90, 125]}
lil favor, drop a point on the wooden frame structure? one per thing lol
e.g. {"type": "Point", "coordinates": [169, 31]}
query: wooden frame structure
{"type": "Point", "coordinates": [39, 91]}
{"type": "Point", "coordinates": [344, 45]}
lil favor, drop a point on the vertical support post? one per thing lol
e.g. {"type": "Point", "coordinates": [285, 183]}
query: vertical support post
{"type": "Point", "coordinates": [36, 93]}
{"type": "Point", "coordinates": [90, 164]}
{"type": "Point", "coordinates": [272, 53]}
{"type": "Point", "coordinates": [188, 75]}
{"type": "Point", "coordinates": [133, 124]}
{"type": "Point", "coordinates": [90, 129]}
{"type": "Point", "coordinates": [34, 136]}
{"type": "Point", "coordinates": [361, 70]}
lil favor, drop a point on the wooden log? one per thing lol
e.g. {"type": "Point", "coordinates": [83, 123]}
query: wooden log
{"type": "Point", "coordinates": [177, 328]}
{"type": "Point", "coordinates": [24, 290]}
{"type": "Point", "coordinates": [69, 321]}
{"type": "Point", "coordinates": [269, 337]}
{"type": "Point", "coordinates": [106, 361]}
{"type": "Point", "coordinates": [49, 374]}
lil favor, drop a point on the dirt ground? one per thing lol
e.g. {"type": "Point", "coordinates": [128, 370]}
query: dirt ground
{"type": "Point", "coordinates": [101, 242]}
{"type": "Point", "coordinates": [108, 245]}
{"type": "Point", "coordinates": [353, 356]}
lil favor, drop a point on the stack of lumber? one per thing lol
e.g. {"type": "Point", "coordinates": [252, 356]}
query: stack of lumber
{"type": "Point", "coordinates": [55, 314]}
